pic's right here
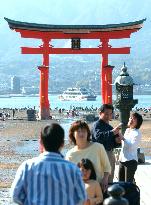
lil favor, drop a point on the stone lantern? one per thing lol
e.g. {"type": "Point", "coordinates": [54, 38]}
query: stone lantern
{"type": "Point", "coordinates": [124, 96]}
{"type": "Point", "coordinates": [116, 192]}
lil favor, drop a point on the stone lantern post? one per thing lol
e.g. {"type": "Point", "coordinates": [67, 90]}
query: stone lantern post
{"type": "Point", "coordinates": [116, 192]}
{"type": "Point", "coordinates": [124, 96]}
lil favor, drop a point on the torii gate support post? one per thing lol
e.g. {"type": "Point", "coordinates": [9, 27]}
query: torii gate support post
{"type": "Point", "coordinates": [103, 76]}
{"type": "Point", "coordinates": [108, 79]}
{"type": "Point", "coordinates": [103, 73]}
{"type": "Point", "coordinates": [44, 110]}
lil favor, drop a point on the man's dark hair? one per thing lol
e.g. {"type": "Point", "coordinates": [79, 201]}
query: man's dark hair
{"type": "Point", "coordinates": [52, 137]}
{"type": "Point", "coordinates": [139, 119]}
{"type": "Point", "coordinates": [106, 106]}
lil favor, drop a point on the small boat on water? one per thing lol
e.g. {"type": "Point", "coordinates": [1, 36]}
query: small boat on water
{"type": "Point", "coordinates": [77, 94]}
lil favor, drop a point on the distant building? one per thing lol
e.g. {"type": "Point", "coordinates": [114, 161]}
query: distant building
{"type": "Point", "coordinates": [15, 85]}
{"type": "Point", "coordinates": [30, 90]}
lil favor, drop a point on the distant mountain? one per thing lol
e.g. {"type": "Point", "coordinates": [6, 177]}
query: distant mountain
{"type": "Point", "coordinates": [75, 12]}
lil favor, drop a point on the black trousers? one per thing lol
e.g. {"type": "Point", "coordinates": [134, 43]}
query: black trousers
{"type": "Point", "coordinates": [127, 170]}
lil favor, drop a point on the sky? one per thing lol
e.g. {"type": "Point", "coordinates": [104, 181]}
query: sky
{"type": "Point", "coordinates": [74, 11]}
{"type": "Point", "coordinates": [67, 12]}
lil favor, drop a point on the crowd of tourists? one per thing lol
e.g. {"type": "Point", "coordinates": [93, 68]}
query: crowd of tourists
{"type": "Point", "coordinates": [83, 175]}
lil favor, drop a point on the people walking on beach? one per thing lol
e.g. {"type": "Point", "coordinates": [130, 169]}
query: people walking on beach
{"type": "Point", "coordinates": [92, 186]}
{"type": "Point", "coordinates": [13, 113]}
{"type": "Point", "coordinates": [105, 134]}
{"type": "Point", "coordinates": [79, 135]}
{"type": "Point", "coordinates": [130, 142]}
{"type": "Point", "coordinates": [49, 179]}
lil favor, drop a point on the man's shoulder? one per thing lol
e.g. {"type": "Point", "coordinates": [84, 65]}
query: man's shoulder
{"type": "Point", "coordinates": [69, 163]}
{"type": "Point", "coordinates": [102, 124]}
{"type": "Point", "coordinates": [36, 161]}
{"type": "Point", "coordinates": [27, 164]}
{"type": "Point", "coordinates": [70, 166]}
{"type": "Point", "coordinates": [31, 160]}
{"type": "Point", "coordinates": [98, 122]}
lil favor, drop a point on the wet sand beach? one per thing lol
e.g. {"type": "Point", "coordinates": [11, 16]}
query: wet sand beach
{"type": "Point", "coordinates": [19, 141]}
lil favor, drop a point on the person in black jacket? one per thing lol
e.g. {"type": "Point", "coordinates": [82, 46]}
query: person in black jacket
{"type": "Point", "coordinates": [104, 133]}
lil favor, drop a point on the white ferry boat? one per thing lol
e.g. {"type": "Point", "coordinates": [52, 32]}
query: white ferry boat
{"type": "Point", "coordinates": [77, 94]}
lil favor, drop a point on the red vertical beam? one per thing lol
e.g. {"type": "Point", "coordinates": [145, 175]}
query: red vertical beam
{"type": "Point", "coordinates": [108, 77]}
{"type": "Point", "coordinates": [46, 51]}
{"type": "Point", "coordinates": [104, 63]}
{"type": "Point", "coordinates": [44, 112]}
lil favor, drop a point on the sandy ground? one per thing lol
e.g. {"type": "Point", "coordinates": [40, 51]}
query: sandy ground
{"type": "Point", "coordinates": [19, 141]}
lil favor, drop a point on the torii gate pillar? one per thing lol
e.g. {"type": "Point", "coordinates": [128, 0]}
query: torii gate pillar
{"type": "Point", "coordinates": [108, 83]}
{"type": "Point", "coordinates": [44, 111]}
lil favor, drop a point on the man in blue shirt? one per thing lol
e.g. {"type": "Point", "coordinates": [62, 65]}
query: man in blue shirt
{"type": "Point", "coordinates": [49, 179]}
{"type": "Point", "coordinates": [104, 133]}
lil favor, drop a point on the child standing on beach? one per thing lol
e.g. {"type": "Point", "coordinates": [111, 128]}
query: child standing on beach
{"type": "Point", "coordinates": [92, 187]}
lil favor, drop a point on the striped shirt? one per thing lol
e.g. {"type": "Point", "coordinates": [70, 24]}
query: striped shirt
{"type": "Point", "coordinates": [48, 180]}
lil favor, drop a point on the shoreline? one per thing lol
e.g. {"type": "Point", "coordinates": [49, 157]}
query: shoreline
{"type": "Point", "coordinates": [19, 141]}
{"type": "Point", "coordinates": [29, 102]}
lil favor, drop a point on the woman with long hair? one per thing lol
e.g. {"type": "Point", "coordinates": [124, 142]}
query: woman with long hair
{"type": "Point", "coordinates": [92, 187]}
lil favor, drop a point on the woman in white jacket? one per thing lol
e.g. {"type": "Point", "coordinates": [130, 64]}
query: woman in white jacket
{"type": "Point", "coordinates": [128, 156]}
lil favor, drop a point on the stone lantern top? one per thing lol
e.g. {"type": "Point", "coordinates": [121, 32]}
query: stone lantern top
{"type": "Point", "coordinates": [124, 78]}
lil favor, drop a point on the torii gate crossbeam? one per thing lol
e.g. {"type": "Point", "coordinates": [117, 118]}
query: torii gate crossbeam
{"type": "Point", "coordinates": [47, 32]}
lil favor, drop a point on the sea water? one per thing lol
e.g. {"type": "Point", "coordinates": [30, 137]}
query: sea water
{"type": "Point", "coordinates": [144, 101]}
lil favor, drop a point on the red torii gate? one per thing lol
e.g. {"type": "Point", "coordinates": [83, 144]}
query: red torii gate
{"type": "Point", "coordinates": [47, 32]}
